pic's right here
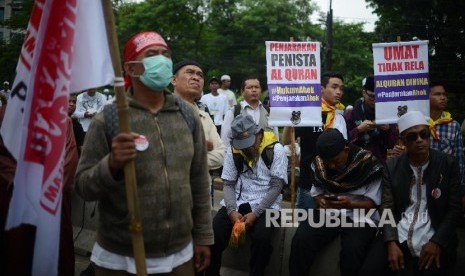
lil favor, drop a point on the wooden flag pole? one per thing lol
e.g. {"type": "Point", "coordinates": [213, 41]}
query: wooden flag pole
{"type": "Point", "coordinates": [135, 226]}
{"type": "Point", "coordinates": [293, 162]}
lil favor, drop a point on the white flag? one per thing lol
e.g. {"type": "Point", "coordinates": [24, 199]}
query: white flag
{"type": "Point", "coordinates": [65, 50]}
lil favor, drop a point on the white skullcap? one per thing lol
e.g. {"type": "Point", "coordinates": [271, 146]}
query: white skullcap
{"type": "Point", "coordinates": [7, 83]}
{"type": "Point", "coordinates": [411, 119]}
{"type": "Point", "coordinates": [106, 90]}
{"type": "Point", "coordinates": [225, 77]}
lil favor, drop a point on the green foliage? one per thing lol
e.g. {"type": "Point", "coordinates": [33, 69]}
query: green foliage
{"type": "Point", "coordinates": [228, 36]}
{"type": "Point", "coordinates": [11, 49]}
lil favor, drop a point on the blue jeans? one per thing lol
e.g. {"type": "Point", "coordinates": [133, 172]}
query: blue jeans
{"type": "Point", "coordinates": [304, 199]}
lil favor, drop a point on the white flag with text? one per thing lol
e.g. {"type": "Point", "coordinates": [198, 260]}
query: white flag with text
{"type": "Point", "coordinates": [65, 50]}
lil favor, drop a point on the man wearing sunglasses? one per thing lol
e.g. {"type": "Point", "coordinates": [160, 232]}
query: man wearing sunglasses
{"type": "Point", "coordinates": [421, 190]}
{"type": "Point", "coordinates": [362, 128]}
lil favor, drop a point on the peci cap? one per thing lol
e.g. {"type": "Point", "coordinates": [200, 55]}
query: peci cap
{"type": "Point", "coordinates": [183, 63]}
{"type": "Point", "coordinates": [225, 77]}
{"type": "Point", "coordinates": [330, 143]}
{"type": "Point", "coordinates": [139, 42]}
{"type": "Point", "coordinates": [243, 129]}
{"type": "Point", "coordinates": [411, 119]}
{"type": "Point", "coordinates": [369, 84]}
{"type": "Point", "coordinates": [213, 79]}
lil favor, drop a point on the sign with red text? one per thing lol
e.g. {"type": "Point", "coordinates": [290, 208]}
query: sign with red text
{"type": "Point", "coordinates": [401, 79]}
{"type": "Point", "coordinates": [65, 50]}
{"type": "Point", "coordinates": [294, 87]}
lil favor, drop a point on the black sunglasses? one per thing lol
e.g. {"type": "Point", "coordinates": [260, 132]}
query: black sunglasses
{"type": "Point", "coordinates": [413, 136]}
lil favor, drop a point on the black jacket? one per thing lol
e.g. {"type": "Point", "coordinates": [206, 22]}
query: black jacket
{"type": "Point", "coordinates": [444, 211]}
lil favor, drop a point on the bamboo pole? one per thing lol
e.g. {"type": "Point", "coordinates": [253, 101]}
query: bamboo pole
{"type": "Point", "coordinates": [135, 226]}
{"type": "Point", "coordinates": [293, 162]}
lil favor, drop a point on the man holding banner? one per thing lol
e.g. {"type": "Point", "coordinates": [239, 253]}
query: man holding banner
{"type": "Point", "coordinates": [173, 184]}
{"type": "Point", "coordinates": [362, 127]}
{"type": "Point", "coordinates": [331, 92]}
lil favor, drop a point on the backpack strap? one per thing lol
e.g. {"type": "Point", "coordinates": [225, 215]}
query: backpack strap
{"type": "Point", "coordinates": [267, 156]}
{"type": "Point", "coordinates": [187, 114]}
{"type": "Point", "coordinates": [237, 110]}
{"type": "Point", "coordinates": [110, 114]}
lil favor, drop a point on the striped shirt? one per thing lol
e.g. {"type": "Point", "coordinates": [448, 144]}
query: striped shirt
{"type": "Point", "coordinates": [253, 185]}
{"type": "Point", "coordinates": [450, 142]}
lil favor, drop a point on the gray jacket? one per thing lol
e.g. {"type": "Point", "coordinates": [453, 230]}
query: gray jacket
{"type": "Point", "coordinates": [172, 180]}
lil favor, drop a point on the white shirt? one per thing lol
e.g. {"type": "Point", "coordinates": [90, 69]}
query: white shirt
{"type": "Point", "coordinates": [415, 224]}
{"type": "Point", "coordinates": [340, 124]}
{"type": "Point", "coordinates": [230, 95]}
{"type": "Point", "coordinates": [255, 183]}
{"type": "Point", "coordinates": [5, 93]}
{"type": "Point", "coordinates": [226, 134]}
{"type": "Point", "coordinates": [109, 260]}
{"type": "Point", "coordinates": [217, 105]}
{"type": "Point", "coordinates": [91, 104]}
{"type": "Point", "coordinates": [370, 191]}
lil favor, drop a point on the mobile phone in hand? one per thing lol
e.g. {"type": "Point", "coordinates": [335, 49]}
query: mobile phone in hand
{"type": "Point", "coordinates": [331, 197]}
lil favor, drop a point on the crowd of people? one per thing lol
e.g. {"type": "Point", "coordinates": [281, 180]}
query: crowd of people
{"type": "Point", "coordinates": [412, 172]}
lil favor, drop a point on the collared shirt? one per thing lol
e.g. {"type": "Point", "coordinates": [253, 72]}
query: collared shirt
{"type": "Point", "coordinates": [450, 142]}
{"type": "Point", "coordinates": [253, 185]}
{"type": "Point", "coordinates": [226, 134]}
{"type": "Point", "coordinates": [106, 259]}
{"type": "Point", "coordinates": [415, 224]}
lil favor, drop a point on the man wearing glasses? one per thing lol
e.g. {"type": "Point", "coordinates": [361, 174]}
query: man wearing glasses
{"type": "Point", "coordinates": [421, 189]}
{"type": "Point", "coordinates": [362, 127]}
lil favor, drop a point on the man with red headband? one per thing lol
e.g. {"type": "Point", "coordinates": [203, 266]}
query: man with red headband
{"type": "Point", "coordinates": [173, 186]}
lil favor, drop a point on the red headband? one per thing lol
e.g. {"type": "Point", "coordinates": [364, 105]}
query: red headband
{"type": "Point", "coordinates": [139, 42]}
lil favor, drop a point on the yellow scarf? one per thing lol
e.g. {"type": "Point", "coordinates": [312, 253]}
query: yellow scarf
{"type": "Point", "coordinates": [330, 112]}
{"type": "Point", "coordinates": [444, 119]}
{"type": "Point", "coordinates": [268, 139]}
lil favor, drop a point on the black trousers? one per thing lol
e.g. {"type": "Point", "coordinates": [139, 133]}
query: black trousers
{"type": "Point", "coordinates": [261, 248]}
{"type": "Point", "coordinates": [308, 242]}
{"type": "Point", "coordinates": [377, 263]}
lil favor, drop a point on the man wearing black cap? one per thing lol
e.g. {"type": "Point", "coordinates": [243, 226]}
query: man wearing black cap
{"type": "Point", "coordinates": [188, 80]}
{"type": "Point", "coordinates": [217, 103]}
{"type": "Point", "coordinates": [248, 192]}
{"type": "Point", "coordinates": [347, 181]}
{"type": "Point", "coordinates": [362, 128]}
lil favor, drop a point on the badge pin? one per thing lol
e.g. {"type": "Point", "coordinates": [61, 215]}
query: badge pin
{"type": "Point", "coordinates": [436, 193]}
{"type": "Point", "coordinates": [141, 143]}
